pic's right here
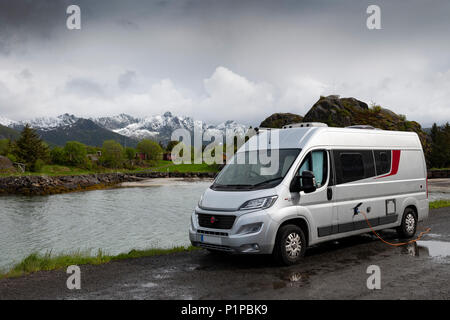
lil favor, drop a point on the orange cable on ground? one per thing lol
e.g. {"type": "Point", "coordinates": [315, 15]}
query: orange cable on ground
{"type": "Point", "coordinates": [394, 244]}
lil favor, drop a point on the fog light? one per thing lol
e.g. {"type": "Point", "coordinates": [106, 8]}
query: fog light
{"type": "Point", "coordinates": [250, 228]}
{"type": "Point", "coordinates": [254, 247]}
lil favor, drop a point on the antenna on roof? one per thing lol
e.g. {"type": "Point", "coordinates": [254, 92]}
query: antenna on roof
{"type": "Point", "coordinates": [305, 125]}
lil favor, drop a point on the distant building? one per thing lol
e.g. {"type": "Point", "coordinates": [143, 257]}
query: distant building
{"type": "Point", "coordinates": [167, 156]}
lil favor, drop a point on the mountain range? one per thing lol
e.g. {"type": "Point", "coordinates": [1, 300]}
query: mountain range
{"type": "Point", "coordinates": [124, 128]}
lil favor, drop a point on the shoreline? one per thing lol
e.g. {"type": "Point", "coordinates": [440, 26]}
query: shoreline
{"type": "Point", "coordinates": [48, 185]}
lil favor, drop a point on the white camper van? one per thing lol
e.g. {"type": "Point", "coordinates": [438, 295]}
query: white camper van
{"type": "Point", "coordinates": [325, 178]}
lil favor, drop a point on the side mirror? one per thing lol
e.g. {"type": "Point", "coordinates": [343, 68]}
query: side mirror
{"type": "Point", "coordinates": [308, 182]}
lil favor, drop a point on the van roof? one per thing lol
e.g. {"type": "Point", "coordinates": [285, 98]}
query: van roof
{"type": "Point", "coordinates": [332, 137]}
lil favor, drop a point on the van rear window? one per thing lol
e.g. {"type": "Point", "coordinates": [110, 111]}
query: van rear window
{"type": "Point", "coordinates": [353, 165]}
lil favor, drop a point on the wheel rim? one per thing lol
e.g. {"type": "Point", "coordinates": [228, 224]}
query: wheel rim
{"type": "Point", "coordinates": [410, 223]}
{"type": "Point", "coordinates": [293, 245]}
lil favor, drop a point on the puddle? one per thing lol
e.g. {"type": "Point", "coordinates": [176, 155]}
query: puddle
{"type": "Point", "coordinates": [292, 279]}
{"type": "Point", "coordinates": [436, 249]}
{"type": "Point", "coordinates": [149, 285]}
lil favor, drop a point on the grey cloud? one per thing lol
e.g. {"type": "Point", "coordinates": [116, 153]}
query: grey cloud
{"type": "Point", "coordinates": [303, 48]}
{"type": "Point", "coordinates": [126, 79]}
{"type": "Point", "coordinates": [84, 87]}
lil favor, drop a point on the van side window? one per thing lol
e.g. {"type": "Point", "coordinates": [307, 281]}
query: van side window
{"type": "Point", "coordinates": [382, 161]}
{"type": "Point", "coordinates": [353, 165]}
{"type": "Point", "coordinates": [317, 162]}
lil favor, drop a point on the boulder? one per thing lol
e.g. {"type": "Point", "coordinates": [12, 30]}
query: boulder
{"type": "Point", "coordinates": [6, 165]}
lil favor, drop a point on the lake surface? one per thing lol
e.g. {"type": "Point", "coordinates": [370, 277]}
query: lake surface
{"type": "Point", "coordinates": [114, 220]}
{"type": "Point", "coordinates": [143, 215]}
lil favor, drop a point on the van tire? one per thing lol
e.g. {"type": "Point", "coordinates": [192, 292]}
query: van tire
{"type": "Point", "coordinates": [289, 236]}
{"type": "Point", "coordinates": [408, 227]}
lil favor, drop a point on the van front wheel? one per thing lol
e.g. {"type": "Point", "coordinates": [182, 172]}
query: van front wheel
{"type": "Point", "coordinates": [409, 224]}
{"type": "Point", "coordinates": [290, 245]}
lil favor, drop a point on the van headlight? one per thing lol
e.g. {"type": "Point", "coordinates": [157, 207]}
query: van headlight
{"type": "Point", "coordinates": [260, 203]}
{"type": "Point", "coordinates": [200, 201]}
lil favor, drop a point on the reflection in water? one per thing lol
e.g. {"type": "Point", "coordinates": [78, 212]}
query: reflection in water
{"type": "Point", "coordinates": [115, 220]}
{"type": "Point", "coordinates": [410, 249]}
{"type": "Point", "coordinates": [435, 248]}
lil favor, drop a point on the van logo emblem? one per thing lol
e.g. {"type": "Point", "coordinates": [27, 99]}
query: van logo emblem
{"type": "Point", "coordinates": [213, 219]}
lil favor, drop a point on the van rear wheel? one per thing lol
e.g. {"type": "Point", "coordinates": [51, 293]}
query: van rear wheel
{"type": "Point", "coordinates": [290, 245]}
{"type": "Point", "coordinates": [409, 224]}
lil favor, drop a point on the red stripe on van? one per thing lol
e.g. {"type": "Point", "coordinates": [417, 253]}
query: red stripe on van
{"type": "Point", "coordinates": [395, 164]}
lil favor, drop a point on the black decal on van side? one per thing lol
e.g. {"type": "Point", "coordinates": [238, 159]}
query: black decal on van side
{"type": "Point", "coordinates": [356, 225]}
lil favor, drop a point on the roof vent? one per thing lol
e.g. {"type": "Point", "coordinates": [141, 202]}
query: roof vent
{"type": "Point", "coordinates": [362, 126]}
{"type": "Point", "coordinates": [305, 125]}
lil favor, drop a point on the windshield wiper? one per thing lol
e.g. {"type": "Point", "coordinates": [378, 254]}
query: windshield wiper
{"type": "Point", "coordinates": [267, 181]}
{"type": "Point", "coordinates": [237, 186]}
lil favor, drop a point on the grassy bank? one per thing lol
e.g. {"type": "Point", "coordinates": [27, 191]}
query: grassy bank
{"type": "Point", "coordinates": [439, 204]}
{"type": "Point", "coordinates": [45, 262]}
{"type": "Point", "coordinates": [158, 166]}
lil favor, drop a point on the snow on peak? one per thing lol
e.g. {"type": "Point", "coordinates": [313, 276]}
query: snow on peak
{"type": "Point", "coordinates": [6, 122]}
{"type": "Point", "coordinates": [49, 123]}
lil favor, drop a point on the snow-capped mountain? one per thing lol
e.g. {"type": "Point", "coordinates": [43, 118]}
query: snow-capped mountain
{"type": "Point", "coordinates": [47, 123]}
{"type": "Point", "coordinates": [162, 126]}
{"type": "Point", "coordinates": [159, 127]}
{"type": "Point", "coordinates": [116, 122]}
{"type": "Point", "coordinates": [6, 122]}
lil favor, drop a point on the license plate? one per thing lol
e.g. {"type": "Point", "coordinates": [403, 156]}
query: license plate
{"type": "Point", "coordinates": [210, 239]}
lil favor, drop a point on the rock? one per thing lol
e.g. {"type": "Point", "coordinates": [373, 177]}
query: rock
{"type": "Point", "coordinates": [278, 120]}
{"type": "Point", "coordinates": [6, 165]}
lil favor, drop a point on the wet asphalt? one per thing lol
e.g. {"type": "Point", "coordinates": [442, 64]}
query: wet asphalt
{"type": "Point", "coordinates": [333, 270]}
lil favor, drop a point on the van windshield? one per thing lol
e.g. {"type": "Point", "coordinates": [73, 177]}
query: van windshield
{"type": "Point", "coordinates": [256, 169]}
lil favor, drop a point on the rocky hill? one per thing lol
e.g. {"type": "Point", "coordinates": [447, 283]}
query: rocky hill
{"type": "Point", "coordinates": [278, 120]}
{"type": "Point", "coordinates": [343, 112]}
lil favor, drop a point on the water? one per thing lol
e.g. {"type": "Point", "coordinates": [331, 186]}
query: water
{"type": "Point", "coordinates": [114, 220]}
{"type": "Point", "coordinates": [433, 196]}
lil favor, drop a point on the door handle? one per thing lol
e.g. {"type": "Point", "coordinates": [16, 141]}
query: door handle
{"type": "Point", "coordinates": [329, 193]}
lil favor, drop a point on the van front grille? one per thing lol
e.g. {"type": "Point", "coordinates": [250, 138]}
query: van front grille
{"type": "Point", "coordinates": [214, 247]}
{"type": "Point", "coordinates": [216, 221]}
{"type": "Point", "coordinates": [213, 233]}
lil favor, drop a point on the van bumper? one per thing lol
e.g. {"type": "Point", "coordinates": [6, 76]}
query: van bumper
{"type": "Point", "coordinates": [236, 240]}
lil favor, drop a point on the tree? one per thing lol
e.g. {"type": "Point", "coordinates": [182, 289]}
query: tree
{"type": "Point", "coordinates": [130, 153]}
{"type": "Point", "coordinates": [58, 156]}
{"type": "Point", "coordinates": [75, 153]}
{"type": "Point", "coordinates": [29, 148]}
{"type": "Point", "coordinates": [4, 147]}
{"type": "Point", "coordinates": [440, 146]}
{"type": "Point", "coordinates": [112, 154]}
{"type": "Point", "coordinates": [151, 148]}
{"type": "Point", "coordinates": [171, 144]}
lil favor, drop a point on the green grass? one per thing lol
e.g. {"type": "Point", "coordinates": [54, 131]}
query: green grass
{"type": "Point", "coordinates": [159, 166]}
{"type": "Point", "coordinates": [169, 166]}
{"type": "Point", "coordinates": [45, 262]}
{"type": "Point", "coordinates": [439, 204]}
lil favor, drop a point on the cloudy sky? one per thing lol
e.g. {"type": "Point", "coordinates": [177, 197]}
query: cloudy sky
{"type": "Point", "coordinates": [218, 60]}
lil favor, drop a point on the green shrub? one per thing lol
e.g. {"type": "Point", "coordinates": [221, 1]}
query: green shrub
{"type": "Point", "coordinates": [38, 165]}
